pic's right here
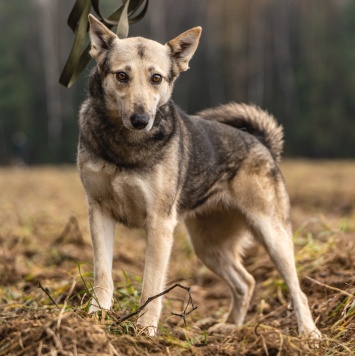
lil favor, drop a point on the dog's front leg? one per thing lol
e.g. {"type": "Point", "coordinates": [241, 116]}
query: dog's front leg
{"type": "Point", "coordinates": [102, 228]}
{"type": "Point", "coordinates": [159, 244]}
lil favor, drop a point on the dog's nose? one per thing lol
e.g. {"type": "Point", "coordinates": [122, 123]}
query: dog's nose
{"type": "Point", "coordinates": [139, 122]}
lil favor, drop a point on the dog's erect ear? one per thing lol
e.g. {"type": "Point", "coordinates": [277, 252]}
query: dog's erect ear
{"type": "Point", "coordinates": [184, 46]}
{"type": "Point", "coordinates": [100, 36]}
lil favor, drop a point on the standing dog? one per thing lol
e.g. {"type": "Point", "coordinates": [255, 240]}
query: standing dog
{"type": "Point", "coordinates": [145, 163]}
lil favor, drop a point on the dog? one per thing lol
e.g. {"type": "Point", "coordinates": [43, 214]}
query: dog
{"type": "Point", "coordinates": [146, 164]}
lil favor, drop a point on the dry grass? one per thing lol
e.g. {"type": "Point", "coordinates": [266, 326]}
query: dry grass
{"type": "Point", "coordinates": [43, 235]}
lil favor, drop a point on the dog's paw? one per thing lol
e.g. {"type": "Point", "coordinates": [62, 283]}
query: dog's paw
{"type": "Point", "coordinates": [148, 322]}
{"type": "Point", "coordinates": [222, 328]}
{"type": "Point", "coordinates": [315, 337]}
{"type": "Point", "coordinates": [315, 334]}
{"type": "Point", "coordinates": [148, 330]}
{"type": "Point", "coordinates": [101, 299]}
{"type": "Point", "coordinates": [312, 337]}
{"type": "Point", "coordinates": [315, 340]}
{"type": "Point", "coordinates": [95, 306]}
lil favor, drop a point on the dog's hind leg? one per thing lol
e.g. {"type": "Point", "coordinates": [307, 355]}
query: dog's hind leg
{"type": "Point", "coordinates": [102, 228]}
{"type": "Point", "coordinates": [261, 196]}
{"type": "Point", "coordinates": [277, 240]}
{"type": "Point", "coordinates": [217, 238]}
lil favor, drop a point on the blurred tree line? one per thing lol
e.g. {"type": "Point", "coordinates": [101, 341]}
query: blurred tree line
{"type": "Point", "coordinates": [295, 58]}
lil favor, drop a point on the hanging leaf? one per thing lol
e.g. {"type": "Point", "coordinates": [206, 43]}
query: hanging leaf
{"type": "Point", "coordinates": [122, 26]}
{"type": "Point", "coordinates": [78, 22]}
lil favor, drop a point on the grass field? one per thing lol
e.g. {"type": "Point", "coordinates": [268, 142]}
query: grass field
{"type": "Point", "coordinates": [46, 274]}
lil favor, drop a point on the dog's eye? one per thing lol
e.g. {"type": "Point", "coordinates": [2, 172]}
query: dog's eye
{"type": "Point", "coordinates": [122, 77]}
{"type": "Point", "coordinates": [156, 78]}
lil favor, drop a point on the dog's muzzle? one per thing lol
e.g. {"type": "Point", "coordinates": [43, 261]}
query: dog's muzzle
{"type": "Point", "coordinates": [139, 122]}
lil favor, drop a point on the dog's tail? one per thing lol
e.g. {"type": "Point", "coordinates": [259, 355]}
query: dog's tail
{"type": "Point", "coordinates": [252, 119]}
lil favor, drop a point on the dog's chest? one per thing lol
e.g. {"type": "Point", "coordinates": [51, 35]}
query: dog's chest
{"type": "Point", "coordinates": [124, 196]}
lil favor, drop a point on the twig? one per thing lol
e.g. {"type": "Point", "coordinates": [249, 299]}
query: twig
{"type": "Point", "coordinates": [330, 287]}
{"type": "Point", "coordinates": [264, 345]}
{"type": "Point", "coordinates": [70, 291]}
{"type": "Point", "coordinates": [45, 290]}
{"type": "Point", "coordinates": [93, 294]}
{"type": "Point", "coordinates": [65, 305]}
{"type": "Point", "coordinates": [183, 315]}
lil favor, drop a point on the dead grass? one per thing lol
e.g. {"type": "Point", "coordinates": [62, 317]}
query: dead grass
{"type": "Point", "coordinates": [43, 235]}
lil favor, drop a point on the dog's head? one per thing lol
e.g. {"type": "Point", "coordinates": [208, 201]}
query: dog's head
{"type": "Point", "coordinates": [138, 74]}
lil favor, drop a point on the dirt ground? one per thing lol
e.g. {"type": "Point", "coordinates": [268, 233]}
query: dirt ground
{"type": "Point", "coordinates": [46, 275]}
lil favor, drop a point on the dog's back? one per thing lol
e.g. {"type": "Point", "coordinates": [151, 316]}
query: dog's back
{"type": "Point", "coordinates": [217, 149]}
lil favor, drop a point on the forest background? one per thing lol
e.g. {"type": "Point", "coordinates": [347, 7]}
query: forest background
{"type": "Point", "coordinates": [294, 58]}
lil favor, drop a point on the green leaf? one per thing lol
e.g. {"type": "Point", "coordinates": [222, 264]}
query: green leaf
{"type": "Point", "coordinates": [78, 21]}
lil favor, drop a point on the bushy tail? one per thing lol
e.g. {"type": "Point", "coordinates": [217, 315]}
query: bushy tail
{"type": "Point", "coordinates": [252, 119]}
